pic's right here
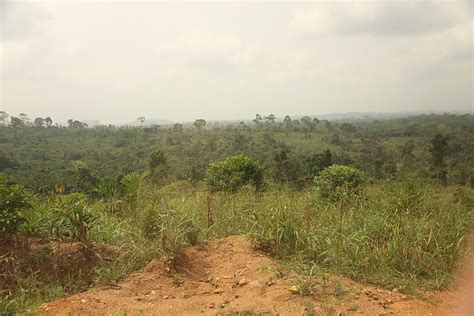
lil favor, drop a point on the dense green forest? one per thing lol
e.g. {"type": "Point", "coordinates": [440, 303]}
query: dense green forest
{"type": "Point", "coordinates": [43, 156]}
{"type": "Point", "coordinates": [388, 202]}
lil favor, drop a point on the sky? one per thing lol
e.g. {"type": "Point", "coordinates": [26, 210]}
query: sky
{"type": "Point", "coordinates": [115, 61]}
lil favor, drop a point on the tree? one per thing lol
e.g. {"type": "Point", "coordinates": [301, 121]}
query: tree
{"type": "Point", "coordinates": [48, 121]}
{"type": "Point", "coordinates": [307, 125]}
{"type": "Point", "coordinates": [199, 123]}
{"type": "Point", "coordinates": [4, 117]}
{"type": "Point", "coordinates": [233, 173]}
{"type": "Point", "coordinates": [178, 127]}
{"type": "Point", "coordinates": [339, 183]}
{"type": "Point", "coordinates": [25, 119]}
{"type": "Point", "coordinates": [270, 119]}
{"type": "Point", "coordinates": [39, 122]}
{"type": "Point", "coordinates": [315, 163]}
{"type": "Point", "coordinates": [258, 119]}
{"type": "Point", "coordinates": [287, 121]}
{"type": "Point", "coordinates": [287, 170]}
{"type": "Point", "coordinates": [12, 201]}
{"type": "Point", "coordinates": [306, 120]}
{"type": "Point", "coordinates": [6, 162]}
{"type": "Point", "coordinates": [158, 166]}
{"type": "Point", "coordinates": [84, 180]}
{"type": "Point", "coordinates": [405, 153]}
{"type": "Point", "coordinates": [76, 124]}
{"type": "Point", "coordinates": [142, 120]}
{"type": "Point", "coordinates": [16, 122]}
{"type": "Point", "coordinates": [439, 151]}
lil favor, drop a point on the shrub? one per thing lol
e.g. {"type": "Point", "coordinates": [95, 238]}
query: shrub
{"type": "Point", "coordinates": [75, 208]}
{"type": "Point", "coordinates": [12, 201]}
{"type": "Point", "coordinates": [233, 173]}
{"type": "Point", "coordinates": [338, 182]}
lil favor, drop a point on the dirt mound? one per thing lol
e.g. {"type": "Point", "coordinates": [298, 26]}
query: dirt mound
{"type": "Point", "coordinates": [227, 276]}
{"type": "Point", "coordinates": [47, 259]}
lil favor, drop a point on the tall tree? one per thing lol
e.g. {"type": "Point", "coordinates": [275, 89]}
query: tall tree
{"type": "Point", "coordinates": [258, 119]}
{"type": "Point", "coordinates": [439, 151]}
{"type": "Point", "coordinates": [25, 119]}
{"type": "Point", "coordinates": [199, 123]}
{"type": "Point", "coordinates": [158, 166]}
{"type": "Point", "coordinates": [142, 120]}
{"type": "Point", "coordinates": [270, 119]}
{"type": "Point", "coordinates": [16, 122]}
{"type": "Point", "coordinates": [48, 121]}
{"type": "Point", "coordinates": [39, 122]}
{"type": "Point", "coordinates": [4, 117]}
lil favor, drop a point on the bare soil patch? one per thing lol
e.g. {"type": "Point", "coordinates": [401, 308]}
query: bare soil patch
{"type": "Point", "coordinates": [226, 277]}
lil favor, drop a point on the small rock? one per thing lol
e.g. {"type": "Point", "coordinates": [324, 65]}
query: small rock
{"type": "Point", "coordinates": [294, 289]}
{"type": "Point", "coordinates": [243, 282]}
{"type": "Point", "coordinates": [83, 301]}
{"type": "Point", "coordinates": [212, 305]}
{"type": "Point", "coordinates": [395, 290]}
{"type": "Point", "coordinates": [166, 297]}
{"type": "Point", "coordinates": [219, 290]}
{"type": "Point", "coordinates": [152, 292]}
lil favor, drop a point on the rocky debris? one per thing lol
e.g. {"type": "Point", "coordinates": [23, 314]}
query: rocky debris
{"type": "Point", "coordinates": [219, 290]}
{"type": "Point", "coordinates": [243, 282]}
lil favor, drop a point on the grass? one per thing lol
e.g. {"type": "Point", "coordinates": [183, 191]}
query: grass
{"type": "Point", "coordinates": [402, 235]}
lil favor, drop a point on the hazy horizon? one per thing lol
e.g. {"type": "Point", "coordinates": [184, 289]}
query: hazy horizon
{"type": "Point", "coordinates": [116, 61]}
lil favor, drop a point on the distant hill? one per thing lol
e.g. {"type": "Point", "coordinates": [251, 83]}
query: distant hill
{"type": "Point", "coordinates": [148, 123]}
{"type": "Point", "coordinates": [382, 115]}
{"type": "Point", "coordinates": [350, 116]}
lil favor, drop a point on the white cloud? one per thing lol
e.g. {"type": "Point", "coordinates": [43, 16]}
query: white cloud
{"type": "Point", "coordinates": [381, 18]}
{"type": "Point", "coordinates": [210, 50]}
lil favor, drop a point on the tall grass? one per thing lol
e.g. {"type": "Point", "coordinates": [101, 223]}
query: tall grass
{"type": "Point", "coordinates": [401, 235]}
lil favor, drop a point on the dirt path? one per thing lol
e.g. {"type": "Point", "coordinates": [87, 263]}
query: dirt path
{"type": "Point", "coordinates": [227, 276]}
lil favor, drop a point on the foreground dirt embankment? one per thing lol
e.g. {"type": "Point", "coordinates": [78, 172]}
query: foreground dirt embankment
{"type": "Point", "coordinates": [227, 276]}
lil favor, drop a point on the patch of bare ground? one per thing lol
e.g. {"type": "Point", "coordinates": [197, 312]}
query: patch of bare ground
{"type": "Point", "coordinates": [228, 277]}
{"type": "Point", "coordinates": [48, 259]}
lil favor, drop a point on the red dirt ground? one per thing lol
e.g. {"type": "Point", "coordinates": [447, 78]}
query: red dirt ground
{"type": "Point", "coordinates": [227, 276]}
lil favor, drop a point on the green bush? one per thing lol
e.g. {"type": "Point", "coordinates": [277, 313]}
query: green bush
{"type": "Point", "coordinates": [233, 173]}
{"type": "Point", "coordinates": [12, 201]}
{"type": "Point", "coordinates": [339, 182]}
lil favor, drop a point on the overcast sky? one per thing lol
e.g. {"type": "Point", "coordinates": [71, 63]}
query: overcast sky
{"type": "Point", "coordinates": [115, 61]}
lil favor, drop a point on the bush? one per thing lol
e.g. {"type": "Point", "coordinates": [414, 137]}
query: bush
{"type": "Point", "coordinates": [233, 173]}
{"type": "Point", "coordinates": [338, 182]}
{"type": "Point", "coordinates": [12, 201]}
